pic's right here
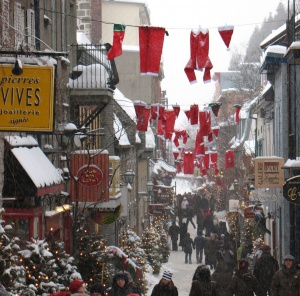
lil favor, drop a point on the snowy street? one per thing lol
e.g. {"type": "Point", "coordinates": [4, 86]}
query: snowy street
{"type": "Point", "coordinates": [182, 273]}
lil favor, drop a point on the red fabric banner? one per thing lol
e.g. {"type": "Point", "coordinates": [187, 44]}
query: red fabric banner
{"type": "Point", "coordinates": [170, 118]}
{"type": "Point", "coordinates": [188, 114]}
{"type": "Point", "coordinates": [237, 115]}
{"type": "Point", "coordinates": [176, 109]}
{"type": "Point", "coordinates": [226, 34]}
{"type": "Point", "coordinates": [188, 162]}
{"type": "Point", "coordinates": [194, 110]}
{"type": "Point", "coordinates": [215, 130]}
{"type": "Point", "coordinates": [229, 159]}
{"type": "Point", "coordinates": [157, 111]}
{"type": "Point", "coordinates": [175, 154]}
{"type": "Point", "coordinates": [142, 115]}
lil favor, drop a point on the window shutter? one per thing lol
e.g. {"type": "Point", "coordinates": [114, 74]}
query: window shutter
{"type": "Point", "coordinates": [30, 29]}
{"type": "Point", "coordinates": [19, 23]}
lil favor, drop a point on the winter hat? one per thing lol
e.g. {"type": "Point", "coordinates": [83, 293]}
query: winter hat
{"type": "Point", "coordinates": [75, 286]}
{"type": "Point", "coordinates": [121, 275]}
{"type": "Point", "coordinates": [167, 275]}
{"type": "Point", "coordinates": [289, 257]}
{"type": "Point", "coordinates": [97, 288]}
{"type": "Point", "coordinates": [202, 274]}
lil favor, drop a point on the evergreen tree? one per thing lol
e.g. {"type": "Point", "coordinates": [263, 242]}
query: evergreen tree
{"type": "Point", "coordinates": [150, 244]}
{"type": "Point", "coordinates": [163, 243]}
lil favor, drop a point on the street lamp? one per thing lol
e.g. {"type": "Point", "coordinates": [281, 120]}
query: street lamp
{"type": "Point", "coordinates": [235, 184]}
{"type": "Point", "coordinates": [129, 176]}
{"type": "Point", "coordinates": [149, 189]}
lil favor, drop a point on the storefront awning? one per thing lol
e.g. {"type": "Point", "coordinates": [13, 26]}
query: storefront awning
{"type": "Point", "coordinates": [38, 167]}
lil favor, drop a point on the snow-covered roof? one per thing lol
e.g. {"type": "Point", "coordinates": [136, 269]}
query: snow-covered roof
{"type": "Point", "coordinates": [161, 164]}
{"type": "Point", "coordinates": [36, 164]}
{"type": "Point", "coordinates": [126, 104]}
{"type": "Point", "coordinates": [292, 163]}
{"type": "Point", "coordinates": [274, 54]}
{"type": "Point", "coordinates": [150, 138]}
{"type": "Point", "coordinates": [120, 132]}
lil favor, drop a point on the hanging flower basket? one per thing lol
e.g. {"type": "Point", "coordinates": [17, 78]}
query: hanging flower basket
{"type": "Point", "coordinates": [215, 107]}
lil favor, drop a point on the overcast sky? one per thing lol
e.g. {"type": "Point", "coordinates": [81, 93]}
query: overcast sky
{"type": "Point", "coordinates": [179, 17]}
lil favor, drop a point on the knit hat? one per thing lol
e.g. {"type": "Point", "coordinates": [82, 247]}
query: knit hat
{"type": "Point", "coordinates": [75, 286]}
{"type": "Point", "coordinates": [243, 264]}
{"type": "Point", "coordinates": [289, 257]}
{"type": "Point", "coordinates": [121, 275]}
{"type": "Point", "coordinates": [167, 275]}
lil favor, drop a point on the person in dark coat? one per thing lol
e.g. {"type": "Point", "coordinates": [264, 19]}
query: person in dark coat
{"type": "Point", "coordinates": [200, 219]}
{"type": "Point", "coordinates": [243, 282]}
{"type": "Point", "coordinates": [202, 283]}
{"type": "Point", "coordinates": [189, 216]}
{"type": "Point", "coordinates": [120, 285]}
{"type": "Point", "coordinates": [173, 232]}
{"type": "Point", "coordinates": [286, 281]}
{"type": "Point", "coordinates": [188, 246]}
{"type": "Point", "coordinates": [97, 290]}
{"type": "Point", "coordinates": [265, 268]}
{"type": "Point", "coordinates": [222, 276]}
{"type": "Point", "coordinates": [211, 250]}
{"type": "Point", "coordinates": [182, 233]}
{"type": "Point", "coordinates": [199, 243]}
{"type": "Point", "coordinates": [165, 287]}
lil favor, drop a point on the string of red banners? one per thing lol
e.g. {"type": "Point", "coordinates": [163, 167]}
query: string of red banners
{"type": "Point", "coordinates": [151, 40]}
{"type": "Point", "coordinates": [191, 157]}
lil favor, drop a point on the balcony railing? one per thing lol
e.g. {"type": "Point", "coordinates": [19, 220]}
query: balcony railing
{"type": "Point", "coordinates": [93, 69]}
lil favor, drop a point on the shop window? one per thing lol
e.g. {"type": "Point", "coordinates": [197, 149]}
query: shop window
{"type": "Point", "coordinates": [20, 228]}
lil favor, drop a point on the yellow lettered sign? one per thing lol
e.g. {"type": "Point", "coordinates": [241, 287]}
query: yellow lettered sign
{"type": "Point", "coordinates": [26, 100]}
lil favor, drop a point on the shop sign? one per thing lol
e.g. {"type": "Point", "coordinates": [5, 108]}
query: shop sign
{"type": "Point", "coordinates": [249, 213]}
{"type": "Point", "coordinates": [291, 190]}
{"type": "Point", "coordinates": [26, 100]}
{"type": "Point", "coordinates": [269, 172]}
{"type": "Point", "coordinates": [89, 175]}
{"type": "Point", "coordinates": [156, 209]}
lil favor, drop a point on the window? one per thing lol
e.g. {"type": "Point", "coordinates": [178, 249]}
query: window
{"type": "Point", "coordinates": [19, 24]}
{"type": "Point", "coordinates": [20, 228]}
{"type": "Point", "coordinates": [30, 29]}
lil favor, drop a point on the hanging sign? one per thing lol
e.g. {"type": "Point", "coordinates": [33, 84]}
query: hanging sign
{"type": "Point", "coordinates": [291, 190]}
{"type": "Point", "coordinates": [269, 172]}
{"type": "Point", "coordinates": [26, 100]}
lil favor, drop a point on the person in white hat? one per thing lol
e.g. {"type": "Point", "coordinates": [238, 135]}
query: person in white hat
{"type": "Point", "coordinates": [286, 281]}
{"type": "Point", "coordinates": [165, 287]}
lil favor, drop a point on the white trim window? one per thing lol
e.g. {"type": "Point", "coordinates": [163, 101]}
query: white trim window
{"type": "Point", "coordinates": [30, 29]}
{"type": "Point", "coordinates": [19, 24]}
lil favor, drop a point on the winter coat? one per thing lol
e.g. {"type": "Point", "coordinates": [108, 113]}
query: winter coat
{"type": "Point", "coordinates": [286, 282]}
{"type": "Point", "coordinates": [202, 285]}
{"type": "Point", "coordinates": [243, 283]}
{"type": "Point", "coordinates": [264, 270]}
{"type": "Point", "coordinates": [211, 251]}
{"type": "Point", "coordinates": [174, 231]}
{"type": "Point", "coordinates": [164, 290]}
{"type": "Point", "coordinates": [199, 242]}
{"type": "Point", "coordinates": [188, 245]}
{"type": "Point", "coordinates": [116, 290]}
{"type": "Point", "coordinates": [222, 276]}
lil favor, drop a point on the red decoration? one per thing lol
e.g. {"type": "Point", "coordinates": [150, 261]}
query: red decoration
{"type": "Point", "coordinates": [188, 114]}
{"type": "Point", "coordinates": [176, 108]}
{"type": "Point", "coordinates": [226, 34]}
{"type": "Point", "coordinates": [169, 117]}
{"type": "Point", "coordinates": [215, 107]}
{"type": "Point", "coordinates": [215, 130]}
{"type": "Point", "coordinates": [237, 113]}
{"type": "Point", "coordinates": [116, 49]}
{"type": "Point", "coordinates": [188, 163]}
{"type": "Point", "coordinates": [157, 111]}
{"type": "Point", "coordinates": [142, 115]}
{"type": "Point", "coordinates": [229, 159]}
{"type": "Point", "coordinates": [194, 110]}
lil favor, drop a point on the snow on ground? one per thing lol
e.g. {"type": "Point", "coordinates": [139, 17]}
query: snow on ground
{"type": "Point", "coordinates": [182, 273]}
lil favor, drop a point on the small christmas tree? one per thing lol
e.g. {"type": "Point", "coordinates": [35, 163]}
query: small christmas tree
{"type": "Point", "coordinates": [150, 244]}
{"type": "Point", "coordinates": [163, 243]}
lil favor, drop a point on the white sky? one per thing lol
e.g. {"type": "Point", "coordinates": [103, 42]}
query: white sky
{"type": "Point", "coordinates": [179, 17]}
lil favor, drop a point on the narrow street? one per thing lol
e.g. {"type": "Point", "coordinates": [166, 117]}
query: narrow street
{"type": "Point", "coordinates": [182, 273]}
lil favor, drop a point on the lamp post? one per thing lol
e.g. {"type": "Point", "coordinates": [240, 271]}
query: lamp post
{"type": "Point", "coordinates": [149, 189]}
{"type": "Point", "coordinates": [129, 176]}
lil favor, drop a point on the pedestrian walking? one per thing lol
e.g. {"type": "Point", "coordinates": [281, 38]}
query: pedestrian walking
{"type": "Point", "coordinates": [222, 276]}
{"type": "Point", "coordinates": [200, 219]}
{"type": "Point", "coordinates": [199, 243]}
{"type": "Point", "coordinates": [184, 205]}
{"type": "Point", "coordinates": [174, 231]}
{"type": "Point", "coordinates": [165, 287]}
{"type": "Point", "coordinates": [120, 285]}
{"type": "Point", "coordinates": [286, 281]}
{"type": "Point", "coordinates": [265, 268]}
{"type": "Point", "coordinates": [182, 232]}
{"type": "Point", "coordinates": [243, 282]}
{"type": "Point", "coordinates": [189, 216]}
{"type": "Point", "coordinates": [188, 246]}
{"type": "Point", "coordinates": [97, 290]}
{"type": "Point", "coordinates": [77, 287]}
{"type": "Point", "coordinates": [202, 283]}
{"type": "Point", "coordinates": [211, 250]}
